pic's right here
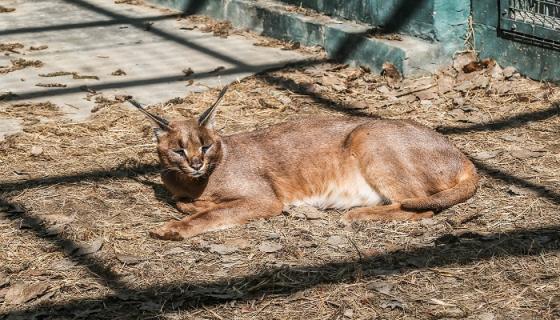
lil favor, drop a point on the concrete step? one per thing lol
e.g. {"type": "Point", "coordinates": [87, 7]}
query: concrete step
{"type": "Point", "coordinates": [345, 40]}
{"type": "Point", "coordinates": [410, 17]}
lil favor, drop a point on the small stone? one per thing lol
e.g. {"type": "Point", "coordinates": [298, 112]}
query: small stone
{"type": "Point", "coordinates": [270, 247]}
{"type": "Point", "coordinates": [497, 73]}
{"type": "Point", "coordinates": [509, 72]}
{"type": "Point", "coordinates": [36, 151]}
{"type": "Point", "coordinates": [336, 241]}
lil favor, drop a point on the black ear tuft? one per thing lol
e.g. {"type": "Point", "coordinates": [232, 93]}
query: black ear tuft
{"type": "Point", "coordinates": [158, 133]}
{"type": "Point", "coordinates": [161, 122]}
{"type": "Point", "coordinates": [206, 119]}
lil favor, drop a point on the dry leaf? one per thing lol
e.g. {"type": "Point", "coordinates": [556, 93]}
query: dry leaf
{"type": "Point", "coordinates": [336, 241]}
{"type": "Point", "coordinates": [270, 247]}
{"type": "Point", "coordinates": [307, 212]}
{"type": "Point", "coordinates": [515, 190]}
{"type": "Point", "coordinates": [445, 83]}
{"type": "Point", "coordinates": [223, 249]}
{"type": "Point", "coordinates": [523, 154]}
{"type": "Point", "coordinates": [129, 259]}
{"type": "Point", "coordinates": [91, 248]}
{"type": "Point", "coordinates": [174, 251]}
{"type": "Point", "coordinates": [485, 155]}
{"type": "Point", "coordinates": [462, 60]}
{"type": "Point", "coordinates": [240, 243]}
{"type": "Point", "coordinates": [381, 287]}
{"type": "Point", "coordinates": [348, 313]}
{"type": "Point", "coordinates": [118, 72]}
{"type": "Point", "coordinates": [486, 316]}
{"type": "Point", "coordinates": [441, 303]}
{"type": "Point", "coordinates": [392, 304]}
{"type": "Point", "coordinates": [187, 72]}
{"type": "Point", "coordinates": [392, 75]}
{"type": "Point", "coordinates": [4, 279]}
{"type": "Point", "coordinates": [38, 48]}
{"type": "Point", "coordinates": [23, 292]}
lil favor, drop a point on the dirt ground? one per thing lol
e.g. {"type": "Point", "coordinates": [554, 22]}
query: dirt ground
{"type": "Point", "coordinates": [78, 200]}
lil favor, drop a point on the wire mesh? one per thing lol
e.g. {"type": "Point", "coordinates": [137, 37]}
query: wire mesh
{"type": "Point", "coordinates": [542, 13]}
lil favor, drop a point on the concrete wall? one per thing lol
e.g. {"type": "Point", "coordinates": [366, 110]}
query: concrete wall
{"type": "Point", "coordinates": [435, 20]}
{"type": "Point", "coordinates": [440, 25]}
{"type": "Point", "coordinates": [393, 15]}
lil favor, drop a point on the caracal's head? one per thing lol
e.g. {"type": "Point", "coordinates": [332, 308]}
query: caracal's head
{"type": "Point", "coordinates": [188, 147]}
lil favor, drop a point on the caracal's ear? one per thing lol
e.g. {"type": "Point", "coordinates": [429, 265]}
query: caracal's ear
{"type": "Point", "coordinates": [158, 133]}
{"type": "Point", "coordinates": [206, 119]}
{"type": "Point", "coordinates": [163, 124]}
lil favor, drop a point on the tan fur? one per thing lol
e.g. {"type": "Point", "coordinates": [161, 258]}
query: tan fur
{"type": "Point", "coordinates": [396, 169]}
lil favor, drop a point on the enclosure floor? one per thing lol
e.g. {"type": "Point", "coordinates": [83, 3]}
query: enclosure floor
{"type": "Point", "coordinates": [98, 37]}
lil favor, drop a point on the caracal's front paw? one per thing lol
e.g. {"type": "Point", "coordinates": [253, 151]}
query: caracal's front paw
{"type": "Point", "coordinates": [168, 232]}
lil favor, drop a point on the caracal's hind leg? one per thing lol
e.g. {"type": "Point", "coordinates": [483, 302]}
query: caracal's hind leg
{"type": "Point", "coordinates": [385, 213]}
{"type": "Point", "coordinates": [391, 174]}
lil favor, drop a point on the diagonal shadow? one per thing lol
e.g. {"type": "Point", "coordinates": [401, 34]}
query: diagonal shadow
{"type": "Point", "coordinates": [514, 121]}
{"type": "Point", "coordinates": [91, 24]}
{"type": "Point", "coordinates": [497, 173]}
{"type": "Point", "coordinates": [95, 175]}
{"type": "Point", "coordinates": [37, 226]}
{"type": "Point", "coordinates": [154, 30]}
{"type": "Point", "coordinates": [150, 81]}
{"type": "Point", "coordinates": [322, 100]}
{"type": "Point", "coordinates": [448, 250]}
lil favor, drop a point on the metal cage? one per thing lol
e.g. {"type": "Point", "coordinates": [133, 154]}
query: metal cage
{"type": "Point", "coordinates": [533, 21]}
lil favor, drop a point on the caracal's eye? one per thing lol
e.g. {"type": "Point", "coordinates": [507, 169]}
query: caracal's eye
{"type": "Point", "coordinates": [180, 152]}
{"type": "Point", "coordinates": [206, 148]}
